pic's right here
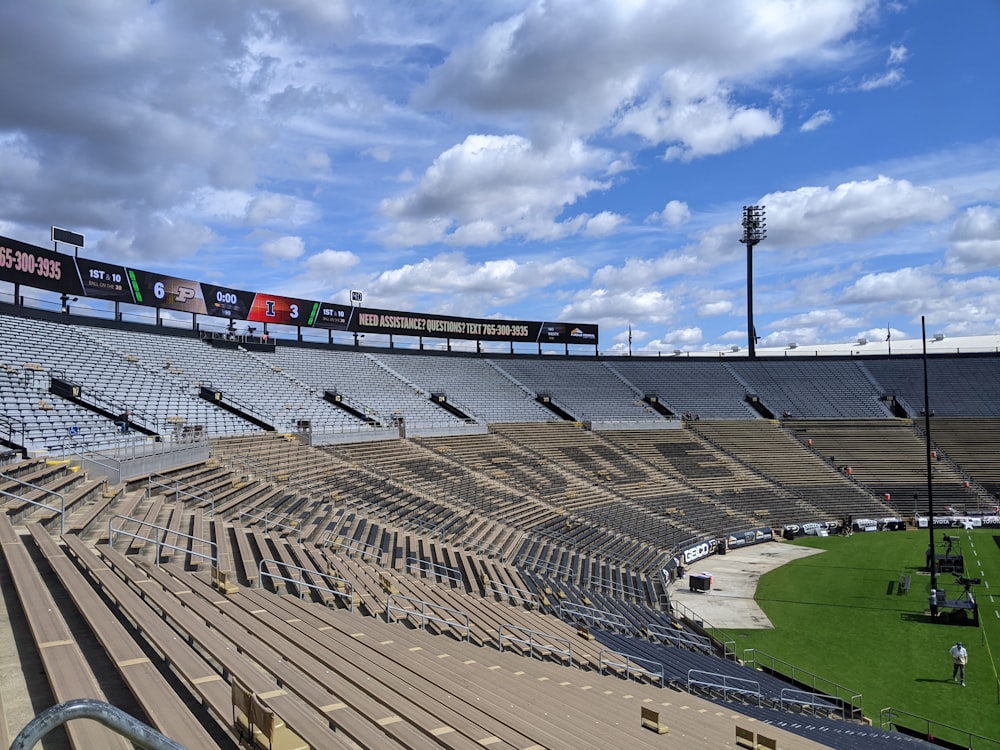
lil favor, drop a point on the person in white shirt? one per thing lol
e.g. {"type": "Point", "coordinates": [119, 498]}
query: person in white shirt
{"type": "Point", "coordinates": [959, 658]}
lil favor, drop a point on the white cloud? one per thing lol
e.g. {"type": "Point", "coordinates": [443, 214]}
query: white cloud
{"type": "Point", "coordinates": [696, 124]}
{"type": "Point", "coordinates": [880, 334]}
{"type": "Point", "coordinates": [330, 263]}
{"type": "Point", "coordinates": [317, 161]}
{"type": "Point", "coordinates": [501, 186]}
{"type": "Point", "coordinates": [513, 126]}
{"type": "Point", "coordinates": [579, 63]}
{"type": "Point", "coordinates": [603, 224]}
{"type": "Point", "coordinates": [851, 211]}
{"type": "Point", "coordinates": [910, 284]}
{"type": "Point", "coordinates": [685, 336]}
{"type": "Point", "coordinates": [784, 337]}
{"type": "Point", "coordinates": [974, 243]}
{"type": "Point", "coordinates": [17, 163]}
{"type": "Point", "coordinates": [283, 248]}
{"type": "Point", "coordinates": [617, 308]}
{"type": "Point", "coordinates": [239, 207]}
{"type": "Point", "coordinates": [473, 234]}
{"type": "Point", "coordinates": [818, 120]}
{"type": "Point", "coordinates": [273, 208]}
{"type": "Point", "coordinates": [897, 54]}
{"type": "Point", "coordinates": [825, 320]}
{"type": "Point", "coordinates": [891, 77]}
{"type": "Point", "coordinates": [495, 280]}
{"type": "Point", "coordinates": [673, 214]}
{"type": "Point", "coordinates": [639, 272]}
{"type": "Point", "coordinates": [739, 335]}
{"type": "Point", "coordinates": [378, 153]}
{"type": "Point", "coordinates": [161, 237]}
{"type": "Point", "coordinates": [634, 333]}
{"type": "Point", "coordinates": [719, 307]}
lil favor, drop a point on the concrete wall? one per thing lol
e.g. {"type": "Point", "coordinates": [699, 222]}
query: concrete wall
{"type": "Point", "coordinates": [403, 430]}
{"type": "Point", "coordinates": [123, 470]}
{"type": "Point", "coordinates": [649, 424]}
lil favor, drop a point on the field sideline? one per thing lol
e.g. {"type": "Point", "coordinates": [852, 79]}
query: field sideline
{"type": "Point", "coordinates": [839, 615]}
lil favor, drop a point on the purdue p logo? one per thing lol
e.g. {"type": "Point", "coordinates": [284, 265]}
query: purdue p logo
{"type": "Point", "coordinates": [184, 293]}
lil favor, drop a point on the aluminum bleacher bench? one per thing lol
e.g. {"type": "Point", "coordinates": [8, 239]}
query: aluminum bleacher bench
{"type": "Point", "coordinates": [68, 672]}
{"type": "Point", "coordinates": [159, 700]}
{"type": "Point", "coordinates": [190, 619]}
{"type": "Point", "coordinates": [191, 667]}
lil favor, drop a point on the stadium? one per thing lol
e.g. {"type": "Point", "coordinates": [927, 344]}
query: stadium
{"type": "Point", "coordinates": [240, 531]}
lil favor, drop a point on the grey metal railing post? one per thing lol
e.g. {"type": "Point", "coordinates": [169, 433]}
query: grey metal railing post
{"type": "Point", "coordinates": [126, 725]}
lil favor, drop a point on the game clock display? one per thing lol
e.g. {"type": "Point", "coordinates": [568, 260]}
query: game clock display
{"type": "Point", "coordinates": [223, 302]}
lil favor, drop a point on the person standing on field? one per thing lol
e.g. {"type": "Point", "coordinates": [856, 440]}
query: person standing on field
{"type": "Point", "coordinates": [959, 658]}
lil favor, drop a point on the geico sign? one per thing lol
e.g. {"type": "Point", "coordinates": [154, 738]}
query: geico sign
{"type": "Point", "coordinates": [699, 551]}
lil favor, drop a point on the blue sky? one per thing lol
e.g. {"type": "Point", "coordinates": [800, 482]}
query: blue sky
{"type": "Point", "coordinates": [557, 160]}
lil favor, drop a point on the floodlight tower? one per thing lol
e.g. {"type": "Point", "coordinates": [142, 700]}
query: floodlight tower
{"type": "Point", "coordinates": [754, 230]}
{"type": "Point", "coordinates": [930, 484]}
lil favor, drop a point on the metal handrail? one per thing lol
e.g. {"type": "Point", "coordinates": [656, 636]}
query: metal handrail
{"type": "Point", "coordinates": [511, 592]}
{"type": "Point", "coordinates": [629, 665]}
{"type": "Point", "coordinates": [111, 405]}
{"type": "Point", "coordinates": [242, 405]}
{"type": "Point", "coordinates": [791, 697]}
{"type": "Point", "coordinates": [175, 485]}
{"type": "Point", "coordinates": [62, 499]}
{"type": "Point", "coordinates": [436, 569]}
{"type": "Point", "coordinates": [110, 716]}
{"type": "Point", "coordinates": [615, 586]}
{"type": "Point", "coordinates": [845, 696]}
{"type": "Point", "coordinates": [158, 541]}
{"type": "Point", "coordinates": [887, 720]}
{"type": "Point", "coordinates": [354, 546]}
{"type": "Point", "coordinates": [593, 615]}
{"type": "Point", "coordinates": [532, 643]}
{"type": "Point", "coordinates": [484, 548]}
{"type": "Point", "coordinates": [536, 563]}
{"type": "Point", "coordinates": [11, 426]}
{"type": "Point", "coordinates": [113, 469]}
{"type": "Point", "coordinates": [726, 642]}
{"type": "Point", "coordinates": [303, 584]}
{"type": "Point", "coordinates": [274, 524]}
{"type": "Point", "coordinates": [690, 640]}
{"type": "Point", "coordinates": [727, 683]}
{"type": "Point", "coordinates": [251, 469]}
{"type": "Point", "coordinates": [423, 614]}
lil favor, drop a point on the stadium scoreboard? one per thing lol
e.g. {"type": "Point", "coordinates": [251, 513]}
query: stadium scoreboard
{"type": "Point", "coordinates": [33, 266]}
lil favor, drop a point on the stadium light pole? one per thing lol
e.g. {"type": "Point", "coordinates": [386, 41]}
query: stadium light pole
{"type": "Point", "coordinates": [753, 232]}
{"type": "Point", "coordinates": [930, 483]}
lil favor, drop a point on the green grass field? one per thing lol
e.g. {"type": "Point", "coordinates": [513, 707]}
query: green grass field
{"type": "Point", "coordinates": [833, 616]}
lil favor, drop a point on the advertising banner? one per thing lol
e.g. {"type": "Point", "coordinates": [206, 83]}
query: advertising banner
{"type": "Point", "coordinates": [961, 522]}
{"type": "Point", "coordinates": [21, 263]}
{"type": "Point", "coordinates": [751, 536]}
